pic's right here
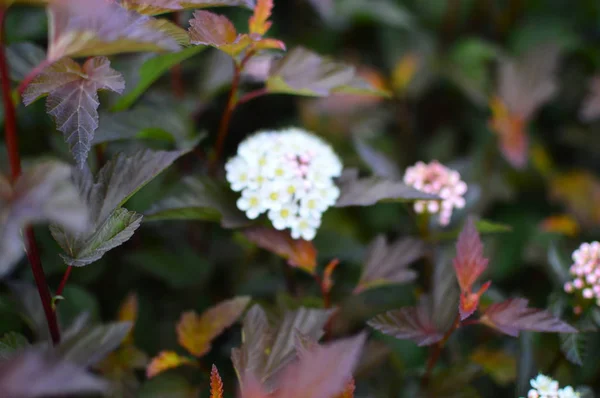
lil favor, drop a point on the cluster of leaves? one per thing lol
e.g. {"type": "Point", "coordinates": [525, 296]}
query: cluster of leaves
{"type": "Point", "coordinates": [149, 230]}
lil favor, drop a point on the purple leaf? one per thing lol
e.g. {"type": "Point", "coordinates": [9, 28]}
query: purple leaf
{"type": "Point", "coordinates": [99, 27]}
{"type": "Point", "coordinates": [43, 193]}
{"type": "Point", "coordinates": [154, 7]}
{"type": "Point", "coordinates": [323, 371]}
{"type": "Point", "coordinates": [410, 323]}
{"type": "Point", "coordinates": [303, 72]}
{"type": "Point", "coordinates": [265, 351]}
{"type": "Point", "coordinates": [355, 191]}
{"type": "Point", "coordinates": [33, 374]}
{"type": "Point", "coordinates": [73, 99]}
{"type": "Point", "coordinates": [526, 83]}
{"type": "Point", "coordinates": [512, 316]}
{"type": "Point", "coordinates": [388, 263]}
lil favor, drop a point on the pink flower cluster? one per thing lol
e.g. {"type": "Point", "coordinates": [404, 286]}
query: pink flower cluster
{"type": "Point", "coordinates": [586, 270]}
{"type": "Point", "coordinates": [437, 179]}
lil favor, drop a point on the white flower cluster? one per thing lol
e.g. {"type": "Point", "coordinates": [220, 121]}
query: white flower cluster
{"type": "Point", "coordinates": [586, 270]}
{"type": "Point", "coordinates": [546, 387]}
{"type": "Point", "coordinates": [437, 179]}
{"type": "Point", "coordinates": [289, 175]}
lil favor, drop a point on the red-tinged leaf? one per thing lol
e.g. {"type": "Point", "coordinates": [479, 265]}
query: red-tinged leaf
{"type": "Point", "coordinates": [469, 262]}
{"type": "Point", "coordinates": [349, 390]}
{"type": "Point", "coordinates": [387, 263]}
{"type": "Point", "coordinates": [510, 128]}
{"type": "Point", "coordinates": [512, 316]}
{"type": "Point", "coordinates": [196, 332]}
{"type": "Point", "coordinates": [73, 99]}
{"type": "Point", "coordinates": [410, 323]}
{"type": "Point", "coordinates": [298, 252]}
{"type": "Point", "coordinates": [327, 275]}
{"type": "Point", "coordinates": [470, 301]}
{"type": "Point", "coordinates": [217, 31]}
{"type": "Point", "coordinates": [98, 27]}
{"type": "Point", "coordinates": [166, 360]}
{"type": "Point", "coordinates": [269, 44]}
{"type": "Point", "coordinates": [259, 22]}
{"type": "Point", "coordinates": [128, 313]}
{"type": "Point", "coordinates": [323, 372]}
{"type": "Point", "coordinates": [216, 384]}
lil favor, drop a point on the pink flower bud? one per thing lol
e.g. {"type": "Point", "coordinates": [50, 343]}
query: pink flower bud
{"type": "Point", "coordinates": [568, 287]}
{"type": "Point", "coordinates": [588, 293]}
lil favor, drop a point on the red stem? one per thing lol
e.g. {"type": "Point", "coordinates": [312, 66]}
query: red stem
{"type": "Point", "coordinates": [226, 119]}
{"type": "Point", "coordinates": [324, 291]}
{"type": "Point", "coordinates": [64, 280]}
{"type": "Point", "coordinates": [12, 144]}
{"type": "Point", "coordinates": [252, 95]}
{"type": "Point", "coordinates": [434, 355]}
{"type": "Point", "coordinates": [176, 70]}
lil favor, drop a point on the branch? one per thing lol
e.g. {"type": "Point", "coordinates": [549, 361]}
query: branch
{"type": "Point", "coordinates": [12, 144]}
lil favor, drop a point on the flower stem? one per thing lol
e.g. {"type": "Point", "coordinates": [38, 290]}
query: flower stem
{"type": "Point", "coordinates": [12, 144]}
{"type": "Point", "coordinates": [436, 351]}
{"type": "Point", "coordinates": [64, 280]}
{"type": "Point", "coordinates": [177, 71]}
{"type": "Point", "coordinates": [252, 95]}
{"type": "Point", "coordinates": [230, 107]}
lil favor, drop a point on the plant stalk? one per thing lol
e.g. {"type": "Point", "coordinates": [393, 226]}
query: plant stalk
{"type": "Point", "coordinates": [436, 351]}
{"type": "Point", "coordinates": [12, 144]}
{"type": "Point", "coordinates": [232, 102]}
{"type": "Point", "coordinates": [64, 280]}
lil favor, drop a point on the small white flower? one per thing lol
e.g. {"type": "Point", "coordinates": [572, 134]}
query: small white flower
{"type": "Point", "coordinates": [284, 173]}
{"type": "Point", "coordinates": [239, 175]}
{"type": "Point", "coordinates": [312, 206]}
{"type": "Point", "coordinates": [568, 392]}
{"type": "Point", "coordinates": [305, 228]}
{"type": "Point", "coordinates": [252, 203]}
{"type": "Point", "coordinates": [274, 195]}
{"type": "Point", "coordinates": [545, 385]}
{"type": "Point", "coordinates": [284, 217]}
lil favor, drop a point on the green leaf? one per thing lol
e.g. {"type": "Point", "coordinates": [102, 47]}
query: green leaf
{"type": "Point", "coordinates": [355, 191]}
{"type": "Point", "coordinates": [75, 302]}
{"type": "Point", "coordinates": [179, 267]}
{"type": "Point", "coordinates": [150, 122]}
{"type": "Point", "coordinates": [526, 369]}
{"type": "Point", "coordinates": [468, 66]}
{"type": "Point", "coordinates": [11, 343]}
{"type": "Point", "coordinates": [484, 227]}
{"type": "Point", "coordinates": [115, 183]}
{"type": "Point", "coordinates": [167, 386]}
{"type": "Point", "coordinates": [92, 344]}
{"type": "Point", "coordinates": [558, 263]}
{"type": "Point", "coordinates": [303, 72]}
{"type": "Point", "coordinates": [150, 71]}
{"type": "Point", "coordinates": [22, 58]}
{"type": "Point", "coordinates": [44, 193]}
{"type": "Point", "coordinates": [573, 346]}
{"type": "Point", "coordinates": [116, 230]}
{"type": "Point", "coordinates": [200, 199]}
